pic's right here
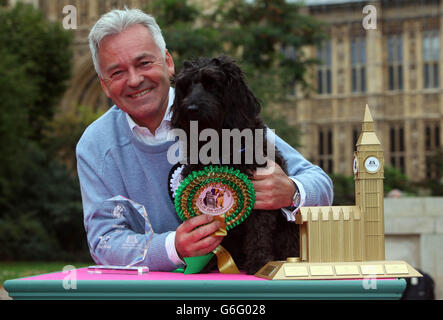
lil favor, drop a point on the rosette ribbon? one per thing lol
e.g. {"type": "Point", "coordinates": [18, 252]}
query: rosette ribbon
{"type": "Point", "coordinates": [223, 192]}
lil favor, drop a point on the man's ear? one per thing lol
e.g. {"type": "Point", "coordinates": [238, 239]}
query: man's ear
{"type": "Point", "coordinates": [104, 87]}
{"type": "Point", "coordinates": [170, 64]}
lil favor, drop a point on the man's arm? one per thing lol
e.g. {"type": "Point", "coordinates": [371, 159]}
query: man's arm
{"type": "Point", "coordinates": [116, 230]}
{"type": "Point", "coordinates": [275, 190]}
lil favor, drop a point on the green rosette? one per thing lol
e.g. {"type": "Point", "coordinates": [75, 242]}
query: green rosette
{"type": "Point", "coordinates": [220, 191]}
{"type": "Point", "coordinates": [216, 190]}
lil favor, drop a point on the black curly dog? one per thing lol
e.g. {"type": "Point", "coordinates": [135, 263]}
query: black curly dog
{"type": "Point", "coordinates": [214, 93]}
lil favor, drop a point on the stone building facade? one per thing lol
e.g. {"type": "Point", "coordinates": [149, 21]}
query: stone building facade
{"type": "Point", "coordinates": [395, 68]}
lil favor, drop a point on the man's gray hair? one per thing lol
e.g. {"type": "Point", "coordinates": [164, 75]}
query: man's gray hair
{"type": "Point", "coordinates": [115, 22]}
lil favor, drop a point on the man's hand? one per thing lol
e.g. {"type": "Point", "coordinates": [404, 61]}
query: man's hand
{"type": "Point", "coordinates": [273, 188]}
{"type": "Point", "coordinates": [191, 241]}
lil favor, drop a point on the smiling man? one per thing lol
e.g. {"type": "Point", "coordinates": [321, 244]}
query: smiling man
{"type": "Point", "coordinates": [136, 74]}
{"type": "Point", "coordinates": [122, 157]}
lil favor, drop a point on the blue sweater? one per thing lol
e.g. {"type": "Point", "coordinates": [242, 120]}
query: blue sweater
{"type": "Point", "coordinates": [120, 176]}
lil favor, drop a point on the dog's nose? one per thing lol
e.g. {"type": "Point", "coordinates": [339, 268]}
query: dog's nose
{"type": "Point", "coordinates": [193, 108]}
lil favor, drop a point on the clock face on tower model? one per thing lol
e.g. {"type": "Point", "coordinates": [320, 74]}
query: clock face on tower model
{"type": "Point", "coordinates": [355, 165]}
{"type": "Point", "coordinates": [372, 164]}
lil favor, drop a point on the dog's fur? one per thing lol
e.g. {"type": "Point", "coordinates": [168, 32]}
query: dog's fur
{"type": "Point", "coordinates": [213, 92]}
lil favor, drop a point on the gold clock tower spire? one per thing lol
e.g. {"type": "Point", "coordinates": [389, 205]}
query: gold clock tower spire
{"type": "Point", "coordinates": [369, 175]}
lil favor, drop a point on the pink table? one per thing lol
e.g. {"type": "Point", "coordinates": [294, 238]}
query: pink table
{"type": "Point", "coordinates": [79, 284]}
{"type": "Point", "coordinates": [83, 274]}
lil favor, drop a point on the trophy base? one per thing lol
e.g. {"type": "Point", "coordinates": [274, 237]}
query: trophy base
{"type": "Point", "coordinates": [294, 269]}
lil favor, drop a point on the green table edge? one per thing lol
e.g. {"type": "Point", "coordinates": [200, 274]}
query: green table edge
{"type": "Point", "coordinates": [21, 289]}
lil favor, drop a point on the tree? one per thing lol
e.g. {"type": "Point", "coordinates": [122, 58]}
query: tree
{"type": "Point", "coordinates": [182, 28]}
{"type": "Point", "coordinates": [261, 30]}
{"type": "Point", "coordinates": [395, 179]}
{"type": "Point", "coordinates": [40, 203]}
{"type": "Point", "coordinates": [42, 49]}
{"type": "Point", "coordinates": [62, 134]}
{"type": "Point", "coordinates": [33, 71]}
{"type": "Point", "coordinates": [344, 189]}
{"type": "Point", "coordinates": [256, 33]}
{"type": "Point", "coordinates": [16, 91]}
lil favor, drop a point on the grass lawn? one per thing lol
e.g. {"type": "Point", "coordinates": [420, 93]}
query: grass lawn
{"type": "Point", "coordinates": [14, 270]}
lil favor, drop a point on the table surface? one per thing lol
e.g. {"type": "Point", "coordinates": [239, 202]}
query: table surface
{"type": "Point", "coordinates": [80, 284]}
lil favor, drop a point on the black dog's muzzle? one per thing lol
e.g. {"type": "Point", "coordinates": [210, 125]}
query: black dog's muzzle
{"type": "Point", "coordinates": [193, 108]}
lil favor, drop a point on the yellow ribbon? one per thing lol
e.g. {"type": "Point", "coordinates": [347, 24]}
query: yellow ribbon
{"type": "Point", "coordinates": [221, 231]}
{"type": "Point", "coordinates": [225, 262]}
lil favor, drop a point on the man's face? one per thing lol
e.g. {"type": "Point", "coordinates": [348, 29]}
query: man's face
{"type": "Point", "coordinates": [135, 75]}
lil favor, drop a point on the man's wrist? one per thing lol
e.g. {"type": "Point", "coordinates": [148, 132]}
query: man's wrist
{"type": "Point", "coordinates": [297, 198]}
{"type": "Point", "coordinates": [171, 250]}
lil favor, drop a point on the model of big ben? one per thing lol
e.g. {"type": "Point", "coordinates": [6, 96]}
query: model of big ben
{"type": "Point", "coordinates": [346, 242]}
{"type": "Point", "coordinates": [369, 175]}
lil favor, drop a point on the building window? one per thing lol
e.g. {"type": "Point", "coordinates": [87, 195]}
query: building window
{"type": "Point", "coordinates": [325, 150]}
{"type": "Point", "coordinates": [355, 135]}
{"type": "Point", "coordinates": [102, 8]}
{"type": "Point", "coordinates": [84, 12]}
{"type": "Point", "coordinates": [397, 146]}
{"type": "Point", "coordinates": [358, 60]}
{"type": "Point", "coordinates": [432, 145]}
{"type": "Point", "coordinates": [395, 61]}
{"type": "Point", "coordinates": [292, 88]}
{"type": "Point", "coordinates": [290, 54]}
{"type": "Point", "coordinates": [431, 52]}
{"type": "Point", "coordinates": [324, 69]}
{"type": "Point", "coordinates": [115, 4]}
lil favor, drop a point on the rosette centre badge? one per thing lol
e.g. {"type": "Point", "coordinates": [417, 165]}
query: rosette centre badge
{"type": "Point", "coordinates": [215, 199]}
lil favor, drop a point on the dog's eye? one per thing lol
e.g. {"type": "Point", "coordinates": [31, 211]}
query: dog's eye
{"type": "Point", "coordinates": [208, 82]}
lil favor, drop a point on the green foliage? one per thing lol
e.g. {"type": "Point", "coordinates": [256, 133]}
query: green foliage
{"type": "Point", "coordinates": [185, 39]}
{"type": "Point", "coordinates": [278, 123]}
{"type": "Point", "coordinates": [263, 29]}
{"type": "Point", "coordinates": [42, 49]}
{"type": "Point", "coordinates": [186, 42]}
{"type": "Point", "coordinates": [26, 239]}
{"type": "Point", "coordinates": [255, 33]}
{"type": "Point", "coordinates": [433, 186]}
{"type": "Point", "coordinates": [344, 189]}
{"type": "Point", "coordinates": [395, 179]}
{"type": "Point", "coordinates": [64, 131]}
{"type": "Point", "coordinates": [16, 91]}
{"type": "Point", "coordinates": [42, 212]}
{"type": "Point", "coordinates": [40, 203]}
{"type": "Point", "coordinates": [168, 12]}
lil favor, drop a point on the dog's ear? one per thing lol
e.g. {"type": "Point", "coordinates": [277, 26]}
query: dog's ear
{"type": "Point", "coordinates": [229, 67]}
{"type": "Point", "coordinates": [245, 107]}
{"type": "Point", "coordinates": [187, 64]}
